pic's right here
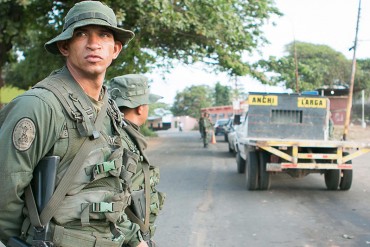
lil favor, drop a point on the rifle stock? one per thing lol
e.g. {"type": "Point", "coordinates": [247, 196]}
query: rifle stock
{"type": "Point", "coordinates": [43, 186]}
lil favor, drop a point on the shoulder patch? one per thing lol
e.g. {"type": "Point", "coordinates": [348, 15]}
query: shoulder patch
{"type": "Point", "coordinates": [24, 134]}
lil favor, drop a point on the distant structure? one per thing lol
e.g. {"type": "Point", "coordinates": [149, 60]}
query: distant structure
{"type": "Point", "coordinates": [164, 120]}
{"type": "Point", "coordinates": [338, 96]}
{"type": "Point", "coordinates": [226, 111]}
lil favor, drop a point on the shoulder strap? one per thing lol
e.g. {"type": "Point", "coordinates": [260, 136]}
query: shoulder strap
{"type": "Point", "coordinates": [79, 108]}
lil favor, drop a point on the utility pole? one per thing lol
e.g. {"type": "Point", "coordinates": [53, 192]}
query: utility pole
{"type": "Point", "coordinates": [352, 81]}
{"type": "Point", "coordinates": [296, 68]}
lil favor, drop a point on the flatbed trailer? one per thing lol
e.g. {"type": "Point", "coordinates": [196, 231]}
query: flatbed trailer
{"type": "Point", "coordinates": [292, 133]}
{"type": "Point", "coordinates": [299, 158]}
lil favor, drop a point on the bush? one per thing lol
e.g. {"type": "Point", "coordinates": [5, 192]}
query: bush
{"type": "Point", "coordinates": [147, 132]}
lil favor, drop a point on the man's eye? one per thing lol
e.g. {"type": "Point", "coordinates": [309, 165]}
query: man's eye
{"type": "Point", "coordinates": [80, 34]}
{"type": "Point", "coordinates": [106, 35]}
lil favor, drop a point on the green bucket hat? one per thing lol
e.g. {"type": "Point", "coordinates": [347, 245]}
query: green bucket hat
{"type": "Point", "coordinates": [89, 13]}
{"type": "Point", "coordinates": [131, 91]}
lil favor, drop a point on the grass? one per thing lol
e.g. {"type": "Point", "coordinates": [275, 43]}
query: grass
{"type": "Point", "coordinates": [8, 93]}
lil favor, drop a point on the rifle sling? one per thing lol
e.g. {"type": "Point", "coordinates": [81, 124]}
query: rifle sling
{"type": "Point", "coordinates": [63, 187]}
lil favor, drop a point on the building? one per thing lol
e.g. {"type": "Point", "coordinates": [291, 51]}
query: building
{"type": "Point", "coordinates": [226, 111]}
{"type": "Point", "coordinates": [164, 120]}
{"type": "Point", "coordinates": [338, 97]}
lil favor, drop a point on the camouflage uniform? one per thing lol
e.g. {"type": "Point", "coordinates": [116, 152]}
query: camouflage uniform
{"type": "Point", "coordinates": [130, 92]}
{"type": "Point", "coordinates": [55, 118]}
{"type": "Point", "coordinates": [207, 128]}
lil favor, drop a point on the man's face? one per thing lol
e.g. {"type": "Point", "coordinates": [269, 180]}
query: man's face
{"type": "Point", "coordinates": [90, 50]}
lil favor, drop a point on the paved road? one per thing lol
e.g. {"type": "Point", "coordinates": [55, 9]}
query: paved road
{"type": "Point", "coordinates": [207, 203]}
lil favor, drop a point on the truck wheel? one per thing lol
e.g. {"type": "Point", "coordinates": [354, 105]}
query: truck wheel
{"type": "Point", "coordinates": [240, 163]}
{"type": "Point", "coordinates": [346, 180]}
{"type": "Point", "coordinates": [264, 176]}
{"type": "Point", "coordinates": [251, 172]}
{"type": "Point", "coordinates": [332, 179]}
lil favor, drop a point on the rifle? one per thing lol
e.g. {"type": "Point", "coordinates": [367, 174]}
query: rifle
{"type": "Point", "coordinates": [43, 185]}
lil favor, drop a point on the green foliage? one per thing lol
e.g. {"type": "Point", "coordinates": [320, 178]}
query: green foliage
{"type": "Point", "coordinates": [216, 32]}
{"type": "Point", "coordinates": [157, 105]}
{"type": "Point", "coordinates": [362, 78]}
{"type": "Point", "coordinates": [191, 100]}
{"type": "Point", "coordinates": [147, 132]}
{"type": "Point", "coordinates": [8, 93]}
{"type": "Point", "coordinates": [222, 95]}
{"type": "Point", "coordinates": [318, 65]}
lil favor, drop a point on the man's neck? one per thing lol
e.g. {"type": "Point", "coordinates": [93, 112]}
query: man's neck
{"type": "Point", "coordinates": [132, 117]}
{"type": "Point", "coordinates": [91, 85]}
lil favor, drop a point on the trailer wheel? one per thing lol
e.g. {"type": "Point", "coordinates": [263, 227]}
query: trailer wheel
{"type": "Point", "coordinates": [346, 178]}
{"type": "Point", "coordinates": [332, 179]}
{"type": "Point", "coordinates": [240, 163]}
{"type": "Point", "coordinates": [264, 176]}
{"type": "Point", "coordinates": [251, 172]}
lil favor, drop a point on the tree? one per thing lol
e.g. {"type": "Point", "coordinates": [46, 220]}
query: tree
{"type": "Point", "coordinates": [157, 105]}
{"type": "Point", "coordinates": [318, 65]}
{"type": "Point", "coordinates": [216, 32]}
{"type": "Point", "coordinates": [362, 78]}
{"type": "Point", "coordinates": [191, 100]}
{"type": "Point", "coordinates": [222, 95]}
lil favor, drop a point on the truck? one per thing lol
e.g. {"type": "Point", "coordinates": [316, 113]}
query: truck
{"type": "Point", "coordinates": [291, 133]}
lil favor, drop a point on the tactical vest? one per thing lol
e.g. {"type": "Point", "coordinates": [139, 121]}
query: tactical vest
{"type": "Point", "coordinates": [99, 192]}
{"type": "Point", "coordinates": [153, 199]}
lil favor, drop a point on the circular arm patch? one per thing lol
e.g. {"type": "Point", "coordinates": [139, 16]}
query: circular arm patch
{"type": "Point", "coordinates": [24, 134]}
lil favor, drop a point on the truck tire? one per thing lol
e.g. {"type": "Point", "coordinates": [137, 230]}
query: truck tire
{"type": "Point", "coordinates": [240, 163]}
{"type": "Point", "coordinates": [264, 176]}
{"type": "Point", "coordinates": [332, 179]}
{"type": "Point", "coordinates": [346, 178]}
{"type": "Point", "coordinates": [251, 171]}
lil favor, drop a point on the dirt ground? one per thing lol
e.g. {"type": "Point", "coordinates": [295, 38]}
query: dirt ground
{"type": "Point", "coordinates": [356, 133]}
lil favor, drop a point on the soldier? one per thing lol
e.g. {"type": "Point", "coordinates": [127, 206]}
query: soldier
{"type": "Point", "coordinates": [207, 128]}
{"type": "Point", "coordinates": [68, 115]}
{"type": "Point", "coordinates": [132, 95]}
{"type": "Point", "coordinates": [200, 123]}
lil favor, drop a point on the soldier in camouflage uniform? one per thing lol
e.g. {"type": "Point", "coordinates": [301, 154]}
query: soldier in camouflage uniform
{"type": "Point", "coordinates": [69, 115]}
{"type": "Point", "coordinates": [207, 128]}
{"type": "Point", "coordinates": [132, 96]}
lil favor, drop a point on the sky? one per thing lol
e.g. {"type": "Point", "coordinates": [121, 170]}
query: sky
{"type": "Point", "coordinates": [322, 22]}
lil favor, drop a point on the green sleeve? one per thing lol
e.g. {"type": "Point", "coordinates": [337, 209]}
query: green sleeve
{"type": "Point", "coordinates": [31, 126]}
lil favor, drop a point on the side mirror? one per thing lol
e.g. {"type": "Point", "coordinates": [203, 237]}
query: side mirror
{"type": "Point", "coordinates": [237, 119]}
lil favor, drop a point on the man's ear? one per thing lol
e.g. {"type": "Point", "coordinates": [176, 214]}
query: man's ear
{"type": "Point", "coordinates": [63, 47]}
{"type": "Point", "coordinates": [140, 109]}
{"type": "Point", "coordinates": [117, 49]}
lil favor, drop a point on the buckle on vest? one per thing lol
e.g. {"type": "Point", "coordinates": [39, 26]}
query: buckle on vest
{"type": "Point", "coordinates": [106, 166]}
{"type": "Point", "coordinates": [102, 207]}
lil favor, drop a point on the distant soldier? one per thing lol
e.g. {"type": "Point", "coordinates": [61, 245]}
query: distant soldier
{"type": "Point", "coordinates": [200, 122]}
{"type": "Point", "coordinates": [207, 128]}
